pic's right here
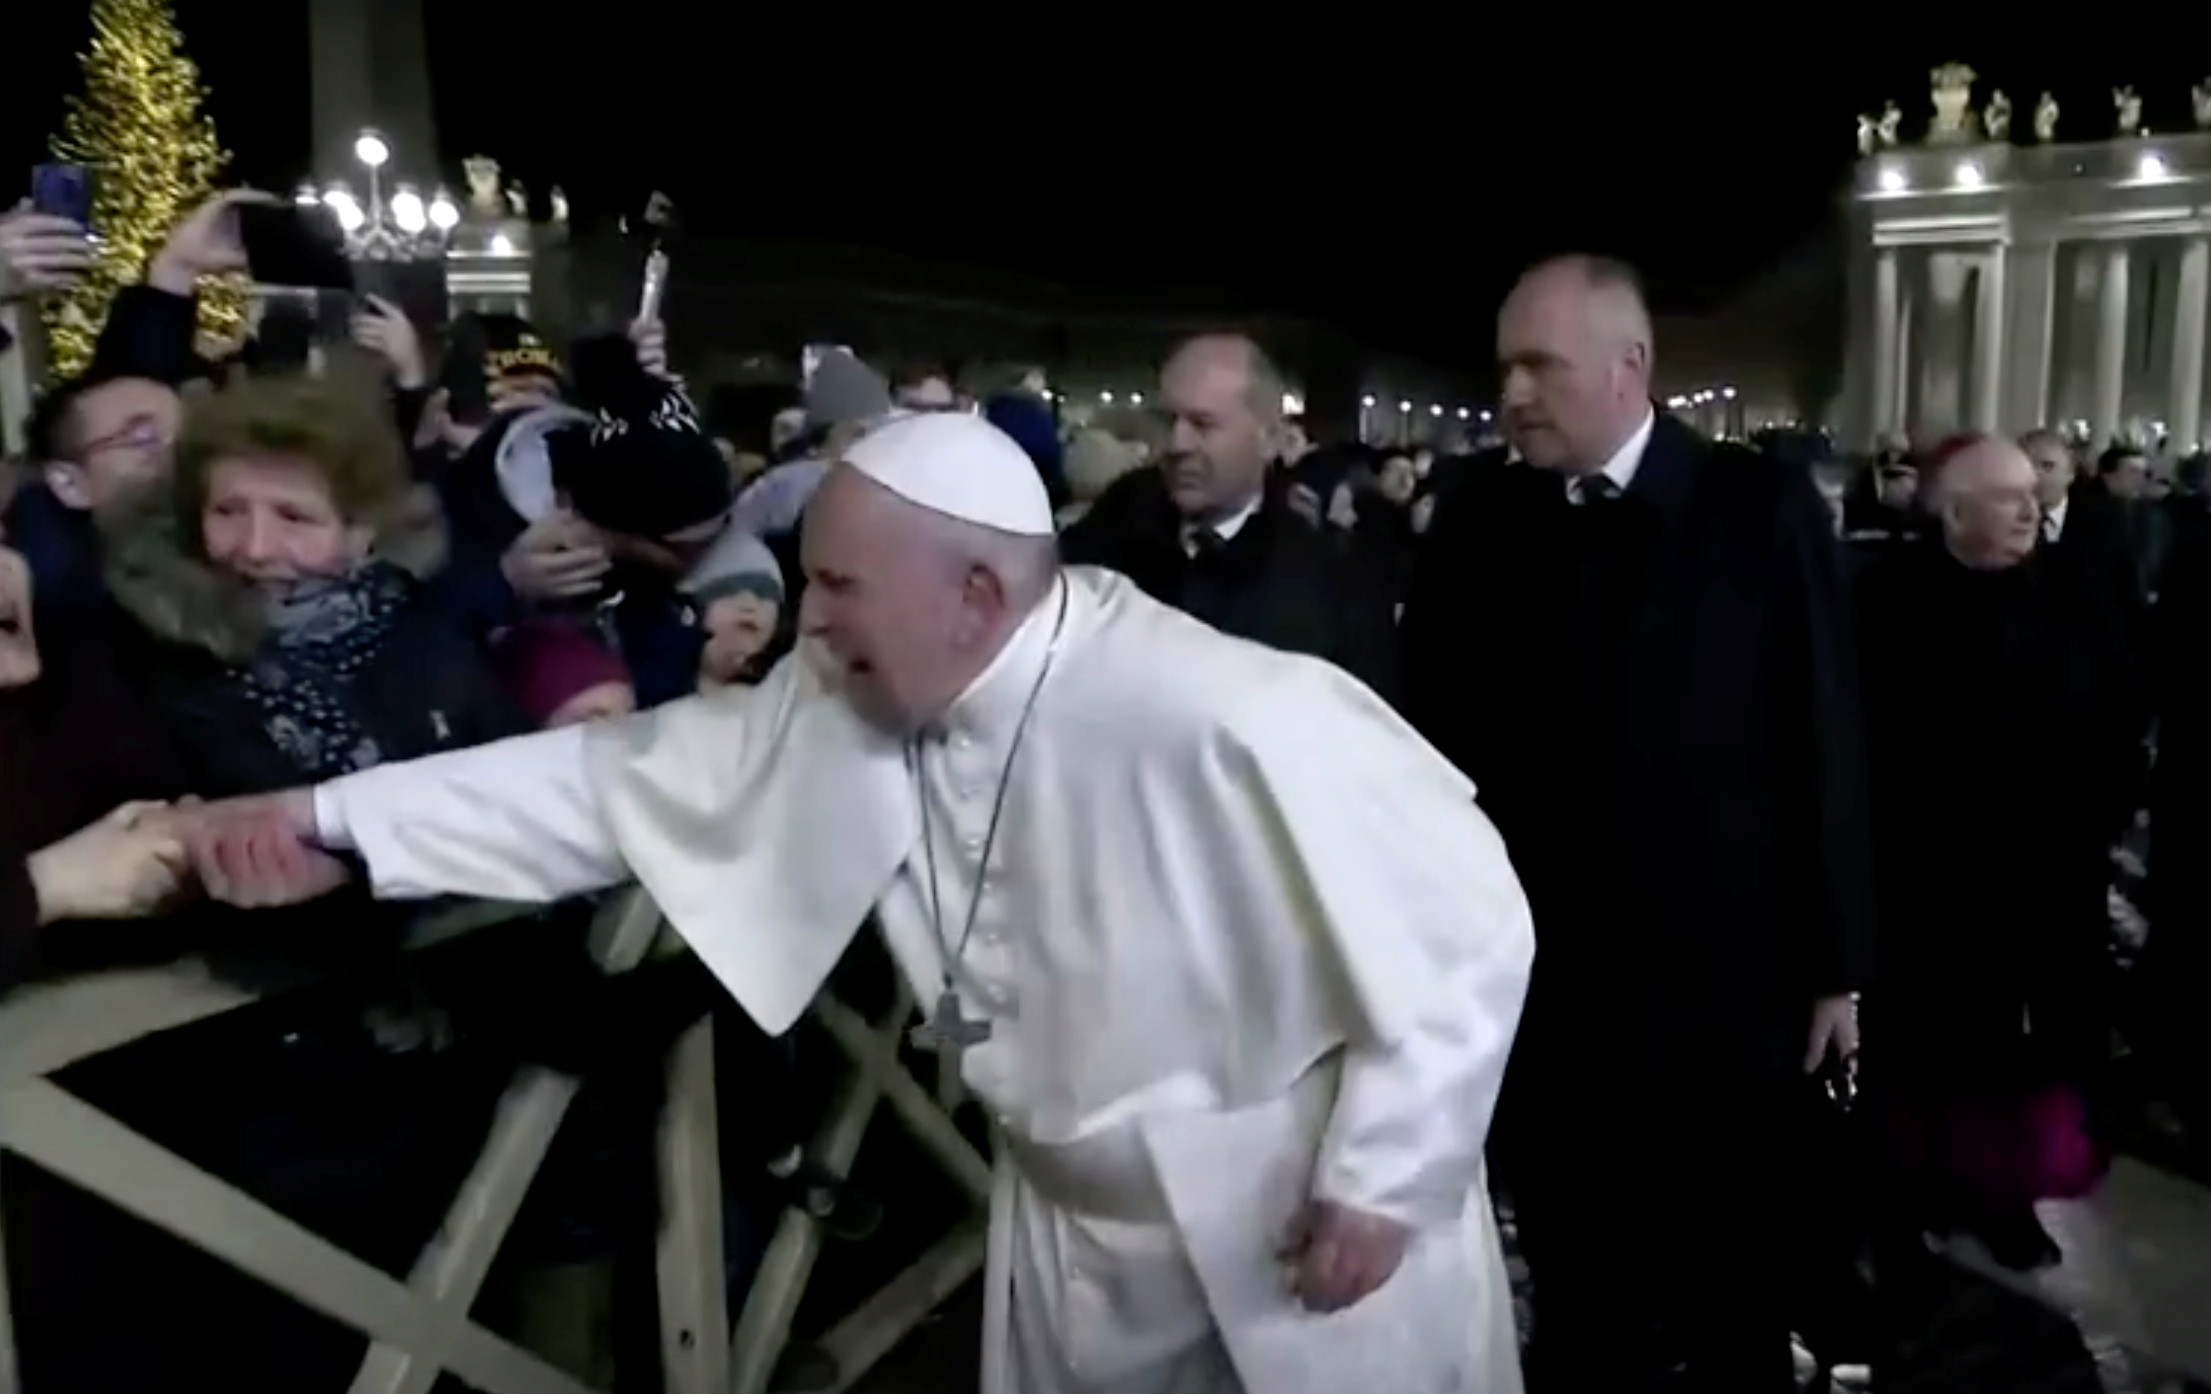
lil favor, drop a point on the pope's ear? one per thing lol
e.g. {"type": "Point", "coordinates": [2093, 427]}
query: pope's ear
{"type": "Point", "coordinates": [984, 589]}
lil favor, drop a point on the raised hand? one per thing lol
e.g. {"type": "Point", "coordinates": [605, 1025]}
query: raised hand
{"type": "Point", "coordinates": [259, 853]}
{"type": "Point", "coordinates": [384, 330]}
{"type": "Point", "coordinates": [651, 338]}
{"type": "Point", "coordinates": [206, 243]}
{"type": "Point", "coordinates": [557, 558]}
{"type": "Point", "coordinates": [39, 252]}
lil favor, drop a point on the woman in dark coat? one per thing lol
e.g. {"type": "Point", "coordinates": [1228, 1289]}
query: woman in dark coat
{"type": "Point", "coordinates": [286, 643]}
{"type": "Point", "coordinates": [278, 644]}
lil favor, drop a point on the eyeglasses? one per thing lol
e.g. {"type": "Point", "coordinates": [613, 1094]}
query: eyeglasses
{"type": "Point", "coordinates": [142, 434]}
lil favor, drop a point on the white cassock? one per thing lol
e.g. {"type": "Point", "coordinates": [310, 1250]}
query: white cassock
{"type": "Point", "coordinates": [1245, 939]}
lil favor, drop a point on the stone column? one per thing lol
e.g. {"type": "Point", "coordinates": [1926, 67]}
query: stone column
{"type": "Point", "coordinates": [2111, 344]}
{"type": "Point", "coordinates": [2032, 283]}
{"type": "Point", "coordinates": [1887, 344]}
{"type": "Point", "coordinates": [368, 61]}
{"type": "Point", "coordinates": [1989, 343]}
{"type": "Point", "coordinates": [1942, 405]}
{"type": "Point", "coordinates": [2184, 413]}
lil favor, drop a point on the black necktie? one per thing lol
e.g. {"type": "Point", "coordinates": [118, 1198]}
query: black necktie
{"type": "Point", "coordinates": [1595, 488]}
{"type": "Point", "coordinates": [1205, 544]}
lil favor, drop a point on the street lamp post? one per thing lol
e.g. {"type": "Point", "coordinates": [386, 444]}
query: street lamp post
{"type": "Point", "coordinates": [403, 227]}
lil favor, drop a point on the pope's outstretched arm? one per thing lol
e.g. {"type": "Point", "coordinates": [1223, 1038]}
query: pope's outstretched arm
{"type": "Point", "coordinates": [520, 819]}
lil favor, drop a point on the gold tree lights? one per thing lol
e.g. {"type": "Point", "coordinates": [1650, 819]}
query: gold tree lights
{"type": "Point", "coordinates": [154, 157]}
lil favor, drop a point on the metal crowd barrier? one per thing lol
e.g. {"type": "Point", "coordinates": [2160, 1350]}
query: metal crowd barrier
{"type": "Point", "coordinates": [419, 1328]}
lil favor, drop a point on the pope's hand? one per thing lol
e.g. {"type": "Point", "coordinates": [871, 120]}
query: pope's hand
{"type": "Point", "coordinates": [1338, 1256]}
{"type": "Point", "coordinates": [258, 853]}
{"type": "Point", "coordinates": [130, 863]}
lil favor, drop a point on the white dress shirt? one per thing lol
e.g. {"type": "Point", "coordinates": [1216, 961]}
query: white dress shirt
{"type": "Point", "coordinates": [1223, 528]}
{"type": "Point", "coordinates": [1621, 468]}
{"type": "Point", "coordinates": [2053, 520]}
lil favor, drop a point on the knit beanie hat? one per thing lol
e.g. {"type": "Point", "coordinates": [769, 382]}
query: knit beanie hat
{"type": "Point", "coordinates": [737, 564]}
{"type": "Point", "coordinates": [646, 467]}
{"type": "Point", "coordinates": [843, 390]}
{"type": "Point", "coordinates": [546, 663]}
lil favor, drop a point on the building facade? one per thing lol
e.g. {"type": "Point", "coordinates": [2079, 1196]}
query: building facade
{"type": "Point", "coordinates": [2000, 286]}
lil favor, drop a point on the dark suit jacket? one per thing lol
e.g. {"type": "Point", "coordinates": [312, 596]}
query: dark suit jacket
{"type": "Point", "coordinates": [1280, 581]}
{"type": "Point", "coordinates": [2095, 556]}
{"type": "Point", "coordinates": [1657, 700]}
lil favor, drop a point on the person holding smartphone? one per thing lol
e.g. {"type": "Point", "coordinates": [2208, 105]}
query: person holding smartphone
{"type": "Point", "coordinates": [110, 428]}
{"type": "Point", "coordinates": [40, 252]}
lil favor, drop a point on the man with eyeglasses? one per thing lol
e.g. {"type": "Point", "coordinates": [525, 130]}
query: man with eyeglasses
{"type": "Point", "coordinates": [110, 428]}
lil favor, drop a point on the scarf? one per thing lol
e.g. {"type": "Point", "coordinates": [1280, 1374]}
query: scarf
{"type": "Point", "coordinates": [321, 635]}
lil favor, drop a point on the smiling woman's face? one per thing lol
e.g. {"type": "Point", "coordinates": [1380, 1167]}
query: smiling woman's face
{"type": "Point", "coordinates": [19, 665]}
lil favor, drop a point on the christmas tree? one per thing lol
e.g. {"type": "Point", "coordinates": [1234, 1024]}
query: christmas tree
{"type": "Point", "coordinates": [154, 157]}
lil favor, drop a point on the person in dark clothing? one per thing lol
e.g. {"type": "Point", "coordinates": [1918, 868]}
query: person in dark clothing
{"type": "Point", "coordinates": [86, 769]}
{"type": "Point", "coordinates": [2083, 540]}
{"type": "Point", "coordinates": [1034, 428]}
{"type": "Point", "coordinates": [1992, 868]}
{"type": "Point", "coordinates": [1212, 533]}
{"type": "Point", "coordinates": [1637, 644]}
{"type": "Point", "coordinates": [1881, 512]}
{"type": "Point", "coordinates": [2124, 486]}
{"type": "Point", "coordinates": [2175, 966]}
{"type": "Point", "coordinates": [597, 514]}
{"type": "Point", "coordinates": [113, 426]}
{"type": "Point", "coordinates": [1386, 535]}
{"type": "Point", "coordinates": [2187, 509]}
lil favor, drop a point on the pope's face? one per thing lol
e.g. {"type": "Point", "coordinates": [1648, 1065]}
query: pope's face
{"type": "Point", "coordinates": [887, 614]}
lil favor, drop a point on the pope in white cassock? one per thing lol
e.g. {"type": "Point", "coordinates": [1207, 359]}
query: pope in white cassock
{"type": "Point", "coordinates": [1226, 949]}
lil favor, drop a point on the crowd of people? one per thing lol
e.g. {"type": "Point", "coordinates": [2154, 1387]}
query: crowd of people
{"type": "Point", "coordinates": [1777, 753]}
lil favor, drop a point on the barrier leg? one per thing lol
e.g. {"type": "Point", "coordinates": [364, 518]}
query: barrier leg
{"type": "Point", "coordinates": [694, 1294]}
{"type": "Point", "coordinates": [451, 1270]}
{"type": "Point", "coordinates": [83, 1146]}
{"type": "Point", "coordinates": [11, 1380]}
{"type": "Point", "coordinates": [764, 1327]}
{"type": "Point", "coordinates": [872, 1330]}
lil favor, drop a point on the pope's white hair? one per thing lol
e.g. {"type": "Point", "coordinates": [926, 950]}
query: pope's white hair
{"type": "Point", "coordinates": [1023, 565]}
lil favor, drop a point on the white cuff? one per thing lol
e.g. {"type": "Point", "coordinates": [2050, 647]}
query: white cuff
{"type": "Point", "coordinates": [330, 823]}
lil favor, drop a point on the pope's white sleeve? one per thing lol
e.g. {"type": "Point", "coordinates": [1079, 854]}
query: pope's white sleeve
{"type": "Point", "coordinates": [517, 820]}
{"type": "Point", "coordinates": [1417, 904]}
{"type": "Point", "coordinates": [1412, 1115]}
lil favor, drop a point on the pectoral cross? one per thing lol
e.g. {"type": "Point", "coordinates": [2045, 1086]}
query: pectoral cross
{"type": "Point", "coordinates": [947, 1034]}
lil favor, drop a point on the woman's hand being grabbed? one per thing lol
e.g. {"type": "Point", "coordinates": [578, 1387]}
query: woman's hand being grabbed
{"type": "Point", "coordinates": [130, 864]}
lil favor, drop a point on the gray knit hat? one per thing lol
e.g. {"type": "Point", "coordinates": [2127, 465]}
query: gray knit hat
{"type": "Point", "coordinates": [843, 389]}
{"type": "Point", "coordinates": [737, 563]}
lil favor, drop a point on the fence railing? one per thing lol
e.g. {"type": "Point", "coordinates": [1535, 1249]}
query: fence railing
{"type": "Point", "coordinates": [419, 1327]}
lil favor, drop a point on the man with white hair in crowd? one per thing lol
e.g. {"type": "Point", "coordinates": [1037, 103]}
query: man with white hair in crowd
{"type": "Point", "coordinates": [1228, 952]}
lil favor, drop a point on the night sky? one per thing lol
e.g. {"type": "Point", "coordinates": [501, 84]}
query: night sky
{"type": "Point", "coordinates": [1305, 178]}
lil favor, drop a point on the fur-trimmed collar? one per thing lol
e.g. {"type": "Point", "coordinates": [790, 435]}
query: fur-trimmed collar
{"type": "Point", "coordinates": [181, 599]}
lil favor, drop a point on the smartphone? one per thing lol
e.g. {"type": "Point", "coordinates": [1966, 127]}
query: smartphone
{"type": "Point", "coordinates": [284, 340]}
{"type": "Point", "coordinates": [62, 191]}
{"type": "Point", "coordinates": [294, 244]}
